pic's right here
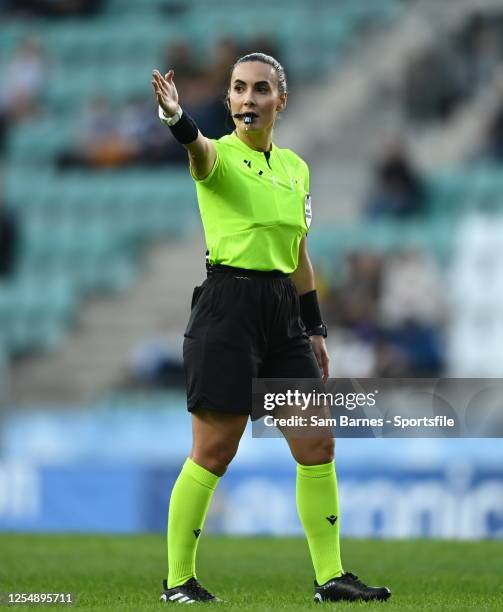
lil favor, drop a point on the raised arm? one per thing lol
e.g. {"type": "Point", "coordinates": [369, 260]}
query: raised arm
{"type": "Point", "coordinates": [202, 153]}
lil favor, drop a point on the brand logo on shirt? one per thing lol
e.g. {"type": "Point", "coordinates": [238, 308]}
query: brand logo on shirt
{"type": "Point", "coordinates": [307, 209]}
{"type": "Point", "coordinates": [294, 183]}
{"type": "Point", "coordinates": [249, 164]}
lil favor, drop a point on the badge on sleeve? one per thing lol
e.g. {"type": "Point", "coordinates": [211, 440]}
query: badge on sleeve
{"type": "Point", "coordinates": [307, 209]}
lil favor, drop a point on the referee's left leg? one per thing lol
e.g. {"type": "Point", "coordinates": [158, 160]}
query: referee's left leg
{"type": "Point", "coordinates": [318, 502]}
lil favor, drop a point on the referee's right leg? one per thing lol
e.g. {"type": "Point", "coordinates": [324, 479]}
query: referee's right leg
{"type": "Point", "coordinates": [215, 440]}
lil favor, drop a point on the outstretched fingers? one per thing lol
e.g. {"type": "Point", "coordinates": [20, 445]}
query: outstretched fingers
{"type": "Point", "coordinates": [159, 79]}
{"type": "Point", "coordinates": [165, 89]}
{"type": "Point", "coordinates": [157, 90]}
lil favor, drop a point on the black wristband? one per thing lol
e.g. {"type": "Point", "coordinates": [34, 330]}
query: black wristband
{"type": "Point", "coordinates": [310, 310]}
{"type": "Point", "coordinates": [185, 129]}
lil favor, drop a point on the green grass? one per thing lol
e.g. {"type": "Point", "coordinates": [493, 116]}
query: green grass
{"type": "Point", "coordinates": [125, 572]}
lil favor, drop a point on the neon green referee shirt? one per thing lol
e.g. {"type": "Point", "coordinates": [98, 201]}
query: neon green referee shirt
{"type": "Point", "coordinates": [255, 208]}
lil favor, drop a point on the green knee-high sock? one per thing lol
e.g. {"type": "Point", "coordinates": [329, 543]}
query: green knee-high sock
{"type": "Point", "coordinates": [318, 508]}
{"type": "Point", "coordinates": [188, 506]}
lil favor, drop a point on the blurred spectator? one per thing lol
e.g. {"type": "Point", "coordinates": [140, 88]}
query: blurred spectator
{"type": "Point", "coordinates": [411, 289]}
{"type": "Point", "coordinates": [264, 43]}
{"type": "Point", "coordinates": [155, 362]}
{"type": "Point", "coordinates": [432, 85]}
{"type": "Point", "coordinates": [352, 357]}
{"type": "Point", "coordinates": [494, 136]}
{"type": "Point", "coordinates": [139, 126]}
{"type": "Point", "coordinates": [9, 240]}
{"type": "Point", "coordinates": [3, 132]}
{"type": "Point", "coordinates": [390, 361]}
{"type": "Point", "coordinates": [190, 77]}
{"type": "Point", "coordinates": [438, 79]}
{"type": "Point", "coordinates": [110, 139]}
{"type": "Point", "coordinates": [387, 315]}
{"type": "Point", "coordinates": [99, 142]}
{"type": "Point", "coordinates": [398, 189]}
{"type": "Point", "coordinates": [23, 81]}
{"type": "Point", "coordinates": [354, 303]}
{"type": "Point", "coordinates": [411, 309]}
{"type": "Point", "coordinates": [225, 53]}
{"type": "Point", "coordinates": [409, 350]}
{"type": "Point", "coordinates": [481, 44]}
{"type": "Point", "coordinates": [53, 8]}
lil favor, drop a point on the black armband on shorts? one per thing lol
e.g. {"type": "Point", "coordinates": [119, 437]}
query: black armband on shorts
{"type": "Point", "coordinates": [311, 315]}
{"type": "Point", "coordinates": [185, 129]}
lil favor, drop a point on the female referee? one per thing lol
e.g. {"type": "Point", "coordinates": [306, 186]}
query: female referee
{"type": "Point", "coordinates": [256, 315]}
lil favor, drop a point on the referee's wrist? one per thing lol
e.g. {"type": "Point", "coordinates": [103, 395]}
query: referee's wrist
{"type": "Point", "coordinates": [170, 120]}
{"type": "Point", "coordinates": [319, 330]}
{"type": "Point", "coordinates": [181, 124]}
{"type": "Point", "coordinates": [311, 315]}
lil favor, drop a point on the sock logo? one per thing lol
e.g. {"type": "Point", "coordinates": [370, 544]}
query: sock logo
{"type": "Point", "coordinates": [331, 519]}
{"type": "Point", "coordinates": [197, 532]}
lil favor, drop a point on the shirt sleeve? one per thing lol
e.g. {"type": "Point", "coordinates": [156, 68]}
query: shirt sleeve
{"type": "Point", "coordinates": [217, 173]}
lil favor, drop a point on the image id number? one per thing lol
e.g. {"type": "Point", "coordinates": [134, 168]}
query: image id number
{"type": "Point", "coordinates": [37, 598]}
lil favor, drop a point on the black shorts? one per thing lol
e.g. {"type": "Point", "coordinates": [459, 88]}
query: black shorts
{"type": "Point", "coordinates": [243, 324]}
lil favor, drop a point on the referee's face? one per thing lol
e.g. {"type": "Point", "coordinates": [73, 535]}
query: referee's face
{"type": "Point", "coordinates": [254, 89]}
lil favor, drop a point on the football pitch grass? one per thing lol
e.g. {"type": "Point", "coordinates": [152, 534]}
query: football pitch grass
{"type": "Point", "coordinates": [125, 572]}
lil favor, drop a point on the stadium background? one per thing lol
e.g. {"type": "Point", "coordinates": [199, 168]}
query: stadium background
{"type": "Point", "coordinates": [396, 105]}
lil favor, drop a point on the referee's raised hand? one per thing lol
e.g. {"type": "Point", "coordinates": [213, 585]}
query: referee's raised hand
{"type": "Point", "coordinates": [165, 91]}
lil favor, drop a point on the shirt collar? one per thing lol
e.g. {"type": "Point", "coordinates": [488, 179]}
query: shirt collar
{"type": "Point", "coordinates": [246, 148]}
